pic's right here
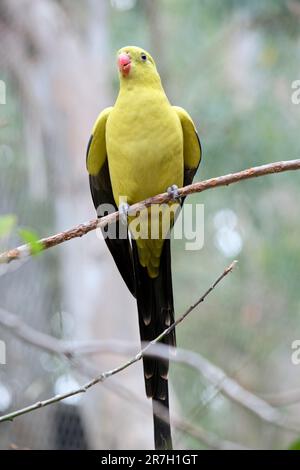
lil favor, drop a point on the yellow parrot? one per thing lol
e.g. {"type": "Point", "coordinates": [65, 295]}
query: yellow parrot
{"type": "Point", "coordinates": [140, 147]}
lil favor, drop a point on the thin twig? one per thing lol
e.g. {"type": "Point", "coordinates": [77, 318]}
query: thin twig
{"type": "Point", "coordinates": [207, 438]}
{"type": "Point", "coordinates": [105, 375]}
{"type": "Point", "coordinates": [223, 383]}
{"type": "Point", "coordinates": [24, 251]}
{"type": "Point", "coordinates": [226, 385]}
{"type": "Point", "coordinates": [216, 376]}
{"type": "Point", "coordinates": [202, 435]}
{"type": "Point", "coordinates": [25, 332]}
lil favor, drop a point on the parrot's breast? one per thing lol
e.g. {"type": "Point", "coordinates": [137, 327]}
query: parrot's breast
{"type": "Point", "coordinates": [144, 147]}
{"type": "Point", "coordinates": [145, 156]}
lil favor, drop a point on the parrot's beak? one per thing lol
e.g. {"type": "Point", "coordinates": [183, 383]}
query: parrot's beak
{"type": "Point", "coordinates": [124, 64]}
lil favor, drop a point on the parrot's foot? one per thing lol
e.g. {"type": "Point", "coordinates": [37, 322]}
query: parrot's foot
{"type": "Point", "coordinates": [173, 192]}
{"type": "Point", "coordinates": [123, 212]}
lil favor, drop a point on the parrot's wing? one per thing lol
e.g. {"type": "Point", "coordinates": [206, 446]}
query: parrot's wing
{"type": "Point", "coordinates": [101, 190]}
{"type": "Point", "coordinates": [191, 145]}
{"type": "Point", "coordinates": [96, 151]}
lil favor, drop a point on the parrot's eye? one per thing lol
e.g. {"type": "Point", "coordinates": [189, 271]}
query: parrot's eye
{"type": "Point", "coordinates": [143, 57]}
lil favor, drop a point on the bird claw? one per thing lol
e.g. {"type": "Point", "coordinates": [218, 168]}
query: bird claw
{"type": "Point", "coordinates": [123, 212]}
{"type": "Point", "coordinates": [173, 192]}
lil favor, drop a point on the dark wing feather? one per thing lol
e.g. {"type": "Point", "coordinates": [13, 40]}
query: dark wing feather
{"type": "Point", "coordinates": [189, 173]}
{"type": "Point", "coordinates": [120, 249]}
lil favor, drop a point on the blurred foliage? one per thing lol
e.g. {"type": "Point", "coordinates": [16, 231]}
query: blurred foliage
{"type": "Point", "coordinates": [295, 445]}
{"type": "Point", "coordinates": [30, 237]}
{"type": "Point", "coordinates": [7, 222]}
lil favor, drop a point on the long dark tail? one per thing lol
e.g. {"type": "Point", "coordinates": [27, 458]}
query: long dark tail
{"type": "Point", "coordinates": [156, 312]}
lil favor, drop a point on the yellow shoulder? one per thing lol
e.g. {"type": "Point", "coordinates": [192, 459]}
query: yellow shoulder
{"type": "Point", "coordinates": [96, 151]}
{"type": "Point", "coordinates": [191, 142]}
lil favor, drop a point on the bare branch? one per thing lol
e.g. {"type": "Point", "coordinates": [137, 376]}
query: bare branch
{"type": "Point", "coordinates": [105, 375]}
{"type": "Point", "coordinates": [223, 383]}
{"type": "Point", "coordinates": [24, 251]}
{"type": "Point", "coordinates": [207, 438]}
{"type": "Point", "coordinates": [41, 340]}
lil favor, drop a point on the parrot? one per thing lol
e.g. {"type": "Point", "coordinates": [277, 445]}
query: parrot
{"type": "Point", "coordinates": [140, 147]}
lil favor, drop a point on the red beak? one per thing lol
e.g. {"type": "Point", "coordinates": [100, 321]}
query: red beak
{"type": "Point", "coordinates": [124, 64]}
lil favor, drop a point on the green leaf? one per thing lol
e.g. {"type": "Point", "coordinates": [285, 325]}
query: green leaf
{"type": "Point", "coordinates": [7, 223]}
{"type": "Point", "coordinates": [30, 237]}
{"type": "Point", "coordinates": [295, 445]}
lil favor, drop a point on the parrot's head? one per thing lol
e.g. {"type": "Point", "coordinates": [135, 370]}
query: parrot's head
{"type": "Point", "coordinates": [136, 65]}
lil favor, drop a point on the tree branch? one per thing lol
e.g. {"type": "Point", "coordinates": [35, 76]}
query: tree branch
{"type": "Point", "coordinates": [24, 251]}
{"type": "Point", "coordinates": [105, 375]}
{"type": "Point", "coordinates": [199, 433]}
{"type": "Point", "coordinates": [216, 376]}
{"type": "Point", "coordinates": [30, 335]}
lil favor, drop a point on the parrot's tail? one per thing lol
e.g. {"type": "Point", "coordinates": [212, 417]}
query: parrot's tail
{"type": "Point", "coordinates": [161, 423]}
{"type": "Point", "coordinates": [156, 313]}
